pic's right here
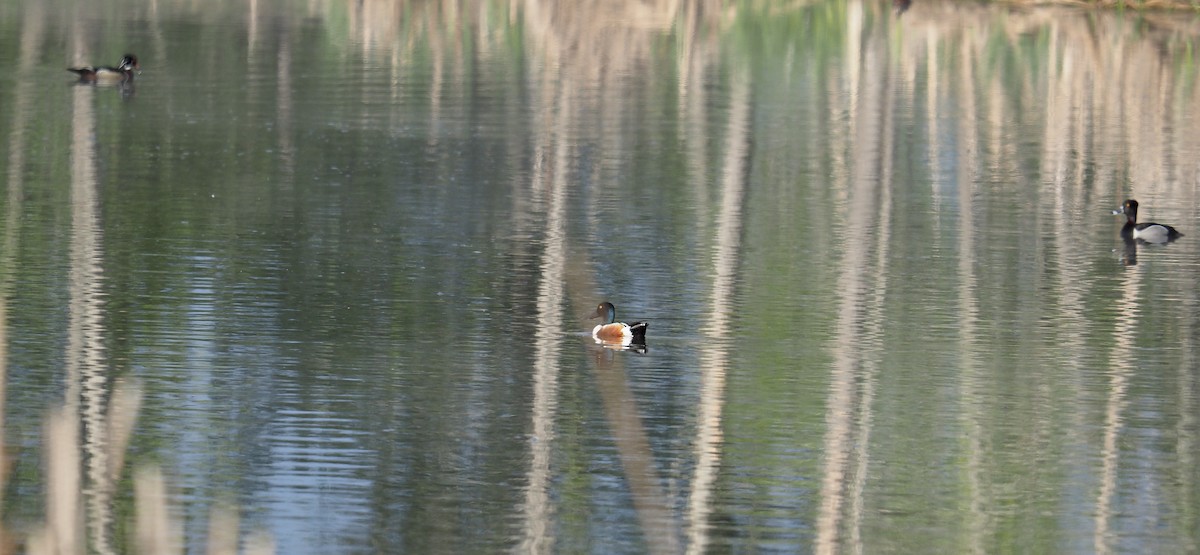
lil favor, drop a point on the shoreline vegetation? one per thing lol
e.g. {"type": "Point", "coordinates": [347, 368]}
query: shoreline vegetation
{"type": "Point", "coordinates": [1142, 7]}
{"type": "Point", "coordinates": [1146, 5]}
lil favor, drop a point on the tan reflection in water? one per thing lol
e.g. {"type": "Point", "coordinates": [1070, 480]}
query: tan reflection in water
{"type": "Point", "coordinates": [1095, 67]}
{"type": "Point", "coordinates": [652, 505]}
{"type": "Point", "coordinates": [84, 380]}
{"type": "Point", "coordinates": [85, 373]}
{"type": "Point", "coordinates": [564, 275]}
{"type": "Point", "coordinates": [714, 361]}
{"type": "Point", "coordinates": [579, 51]}
{"type": "Point", "coordinates": [550, 304]}
{"type": "Point", "coordinates": [650, 501]}
{"type": "Point", "coordinates": [1124, 337]}
{"type": "Point", "coordinates": [284, 114]}
{"type": "Point", "coordinates": [97, 416]}
{"type": "Point", "coordinates": [867, 195]}
{"type": "Point", "coordinates": [971, 379]}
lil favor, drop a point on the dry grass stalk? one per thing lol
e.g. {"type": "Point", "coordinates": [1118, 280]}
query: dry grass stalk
{"type": "Point", "coordinates": [157, 533]}
{"type": "Point", "coordinates": [122, 414]}
{"type": "Point", "coordinates": [222, 531]}
{"type": "Point", "coordinates": [63, 532]}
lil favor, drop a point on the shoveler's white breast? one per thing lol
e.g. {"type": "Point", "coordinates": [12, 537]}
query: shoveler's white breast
{"type": "Point", "coordinates": [615, 332]}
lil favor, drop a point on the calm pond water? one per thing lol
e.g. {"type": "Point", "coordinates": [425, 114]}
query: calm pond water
{"type": "Point", "coordinates": [342, 253]}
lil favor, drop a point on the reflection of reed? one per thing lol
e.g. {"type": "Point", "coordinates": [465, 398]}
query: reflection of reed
{"type": "Point", "coordinates": [550, 304]}
{"type": "Point", "coordinates": [714, 361]}
{"type": "Point", "coordinates": [1105, 118]}
{"type": "Point", "coordinates": [584, 50]}
{"type": "Point", "coordinates": [870, 342]}
{"type": "Point", "coordinates": [1186, 447]}
{"type": "Point", "coordinates": [62, 532]}
{"type": "Point", "coordinates": [284, 113]}
{"type": "Point", "coordinates": [857, 340]}
{"type": "Point", "coordinates": [594, 43]}
{"type": "Point", "coordinates": [1124, 337]}
{"type": "Point", "coordinates": [650, 501]}
{"type": "Point", "coordinates": [157, 529]}
{"type": "Point", "coordinates": [6, 541]}
{"type": "Point", "coordinates": [86, 378]}
{"type": "Point", "coordinates": [971, 382]}
{"type": "Point", "coordinates": [1103, 136]}
{"type": "Point", "coordinates": [654, 509]}
{"type": "Point", "coordinates": [565, 266]}
{"type": "Point", "coordinates": [86, 438]}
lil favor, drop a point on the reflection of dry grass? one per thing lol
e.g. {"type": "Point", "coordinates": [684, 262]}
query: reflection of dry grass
{"type": "Point", "coordinates": [1081, 91]}
{"type": "Point", "coordinates": [157, 530]}
{"type": "Point", "coordinates": [594, 40]}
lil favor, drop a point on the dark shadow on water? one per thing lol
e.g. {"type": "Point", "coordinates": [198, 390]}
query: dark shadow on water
{"type": "Point", "coordinates": [126, 89]}
{"type": "Point", "coordinates": [636, 347]}
{"type": "Point", "coordinates": [1129, 254]}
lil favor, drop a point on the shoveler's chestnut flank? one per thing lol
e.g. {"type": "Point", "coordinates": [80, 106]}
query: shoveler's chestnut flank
{"type": "Point", "coordinates": [612, 331]}
{"type": "Point", "coordinates": [1149, 232]}
{"type": "Point", "coordinates": [106, 74]}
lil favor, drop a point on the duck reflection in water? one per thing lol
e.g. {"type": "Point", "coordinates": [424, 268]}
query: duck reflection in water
{"type": "Point", "coordinates": [612, 333]}
{"type": "Point", "coordinates": [1135, 234]}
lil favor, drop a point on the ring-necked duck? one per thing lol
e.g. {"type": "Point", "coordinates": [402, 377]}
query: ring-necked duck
{"type": "Point", "coordinates": [612, 331]}
{"type": "Point", "coordinates": [105, 74]}
{"type": "Point", "coordinates": [1149, 232]}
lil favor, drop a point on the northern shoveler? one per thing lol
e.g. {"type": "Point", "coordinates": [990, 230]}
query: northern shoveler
{"type": "Point", "coordinates": [105, 74]}
{"type": "Point", "coordinates": [612, 331]}
{"type": "Point", "coordinates": [1149, 232]}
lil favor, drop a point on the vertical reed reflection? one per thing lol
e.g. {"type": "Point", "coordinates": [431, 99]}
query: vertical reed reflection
{"type": "Point", "coordinates": [1122, 366]}
{"type": "Point", "coordinates": [858, 337]}
{"type": "Point", "coordinates": [64, 517]}
{"type": "Point", "coordinates": [6, 542]}
{"type": "Point", "coordinates": [871, 335]}
{"type": "Point", "coordinates": [1067, 148]}
{"type": "Point", "coordinates": [83, 430]}
{"type": "Point", "coordinates": [650, 501]}
{"type": "Point", "coordinates": [972, 380]}
{"type": "Point", "coordinates": [284, 113]}
{"type": "Point", "coordinates": [86, 378]}
{"type": "Point", "coordinates": [550, 303]}
{"type": "Point", "coordinates": [1186, 446]}
{"type": "Point", "coordinates": [714, 360]}
{"type": "Point", "coordinates": [581, 66]}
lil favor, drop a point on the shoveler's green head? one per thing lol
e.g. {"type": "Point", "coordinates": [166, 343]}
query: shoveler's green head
{"type": "Point", "coordinates": [605, 310]}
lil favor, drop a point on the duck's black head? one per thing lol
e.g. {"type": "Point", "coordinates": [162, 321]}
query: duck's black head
{"type": "Point", "coordinates": [1129, 208]}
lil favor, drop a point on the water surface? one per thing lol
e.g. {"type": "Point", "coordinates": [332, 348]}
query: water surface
{"type": "Point", "coordinates": [345, 251]}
